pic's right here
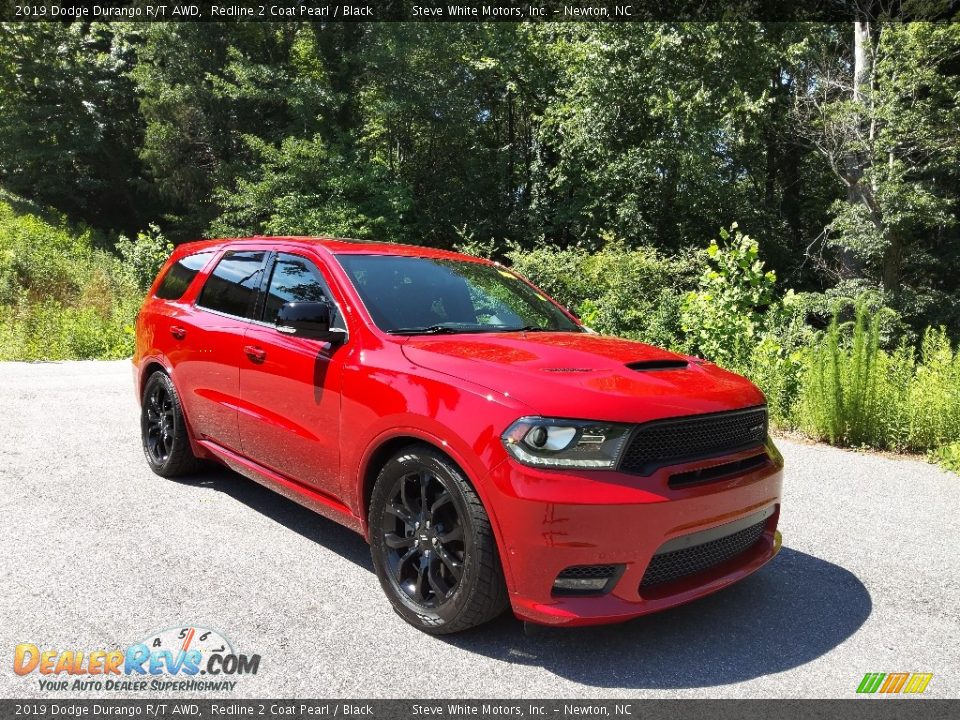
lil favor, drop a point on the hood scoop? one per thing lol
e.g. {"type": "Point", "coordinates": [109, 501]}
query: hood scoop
{"type": "Point", "coordinates": [660, 364]}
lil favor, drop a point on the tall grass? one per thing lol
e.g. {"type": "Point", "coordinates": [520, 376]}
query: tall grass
{"type": "Point", "coordinates": [854, 393]}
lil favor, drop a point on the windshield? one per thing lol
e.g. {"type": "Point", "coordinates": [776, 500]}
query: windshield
{"type": "Point", "coordinates": [413, 295]}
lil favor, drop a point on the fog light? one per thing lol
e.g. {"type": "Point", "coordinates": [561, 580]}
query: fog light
{"type": "Point", "coordinates": [587, 579]}
{"type": "Point", "coordinates": [590, 584]}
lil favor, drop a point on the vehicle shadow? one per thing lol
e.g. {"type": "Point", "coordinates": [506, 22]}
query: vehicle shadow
{"type": "Point", "coordinates": [792, 611]}
{"type": "Point", "coordinates": [331, 535]}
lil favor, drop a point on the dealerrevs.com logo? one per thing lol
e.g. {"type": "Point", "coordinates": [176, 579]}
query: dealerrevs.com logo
{"type": "Point", "coordinates": [184, 659]}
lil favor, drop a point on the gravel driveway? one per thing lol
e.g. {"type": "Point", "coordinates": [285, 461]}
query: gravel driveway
{"type": "Point", "coordinates": [98, 551]}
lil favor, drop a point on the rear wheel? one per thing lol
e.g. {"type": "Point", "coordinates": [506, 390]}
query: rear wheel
{"type": "Point", "coordinates": [432, 544]}
{"type": "Point", "coordinates": [163, 429]}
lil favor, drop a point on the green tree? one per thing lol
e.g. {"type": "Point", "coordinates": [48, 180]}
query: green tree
{"type": "Point", "coordinates": [69, 129]}
{"type": "Point", "coordinates": [884, 114]}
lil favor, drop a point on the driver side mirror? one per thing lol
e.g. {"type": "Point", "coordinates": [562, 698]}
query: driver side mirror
{"type": "Point", "coordinates": [309, 320]}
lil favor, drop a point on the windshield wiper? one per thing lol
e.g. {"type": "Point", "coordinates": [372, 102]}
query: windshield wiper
{"type": "Point", "coordinates": [527, 328]}
{"type": "Point", "coordinates": [431, 330]}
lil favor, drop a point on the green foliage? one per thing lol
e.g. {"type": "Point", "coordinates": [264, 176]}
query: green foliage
{"type": "Point", "coordinates": [890, 137]}
{"type": "Point", "coordinates": [933, 396]}
{"type": "Point", "coordinates": [723, 316]}
{"type": "Point", "coordinates": [60, 296]}
{"type": "Point", "coordinates": [141, 259]}
{"type": "Point", "coordinates": [948, 456]}
{"type": "Point", "coordinates": [855, 393]}
{"type": "Point", "coordinates": [304, 187]}
{"type": "Point", "coordinates": [777, 360]}
{"type": "Point", "coordinates": [632, 293]}
{"type": "Point", "coordinates": [69, 126]}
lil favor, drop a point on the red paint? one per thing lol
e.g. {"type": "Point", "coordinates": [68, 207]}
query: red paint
{"type": "Point", "coordinates": [306, 419]}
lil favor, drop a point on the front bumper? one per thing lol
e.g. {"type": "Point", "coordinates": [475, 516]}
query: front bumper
{"type": "Point", "coordinates": [552, 520]}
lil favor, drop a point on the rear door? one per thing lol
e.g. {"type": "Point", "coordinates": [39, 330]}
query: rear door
{"type": "Point", "coordinates": [207, 371]}
{"type": "Point", "coordinates": [290, 386]}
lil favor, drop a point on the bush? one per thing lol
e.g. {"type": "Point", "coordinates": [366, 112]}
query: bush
{"type": "Point", "coordinates": [844, 386]}
{"type": "Point", "coordinates": [721, 320]}
{"type": "Point", "coordinates": [142, 258]}
{"type": "Point", "coordinates": [61, 297]}
{"type": "Point", "coordinates": [629, 292]}
{"type": "Point", "coordinates": [933, 399]}
{"type": "Point", "coordinates": [948, 456]}
{"type": "Point", "coordinates": [777, 361]}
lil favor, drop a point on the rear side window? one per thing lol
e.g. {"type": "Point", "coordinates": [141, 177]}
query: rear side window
{"type": "Point", "coordinates": [180, 275]}
{"type": "Point", "coordinates": [233, 283]}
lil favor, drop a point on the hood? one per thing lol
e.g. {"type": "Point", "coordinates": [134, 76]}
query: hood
{"type": "Point", "coordinates": [581, 375]}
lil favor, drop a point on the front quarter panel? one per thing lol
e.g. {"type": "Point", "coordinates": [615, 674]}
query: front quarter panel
{"type": "Point", "coordinates": [386, 397]}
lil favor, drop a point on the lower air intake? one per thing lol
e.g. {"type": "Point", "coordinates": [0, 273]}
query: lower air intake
{"type": "Point", "coordinates": [675, 564]}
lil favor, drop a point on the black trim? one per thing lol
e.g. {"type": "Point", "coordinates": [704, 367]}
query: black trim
{"type": "Point", "coordinates": [664, 364]}
{"type": "Point", "coordinates": [723, 471]}
{"type": "Point", "coordinates": [260, 301]}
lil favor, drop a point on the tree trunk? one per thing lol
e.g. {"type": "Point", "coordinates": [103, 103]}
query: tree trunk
{"type": "Point", "coordinates": [892, 260]}
{"type": "Point", "coordinates": [856, 161]}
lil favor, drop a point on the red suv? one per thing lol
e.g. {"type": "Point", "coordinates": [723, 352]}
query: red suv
{"type": "Point", "coordinates": [491, 449]}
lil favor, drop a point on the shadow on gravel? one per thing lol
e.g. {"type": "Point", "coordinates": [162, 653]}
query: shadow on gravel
{"type": "Point", "coordinates": [791, 612]}
{"type": "Point", "coordinates": [333, 536]}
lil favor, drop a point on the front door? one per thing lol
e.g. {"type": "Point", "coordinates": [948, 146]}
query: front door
{"type": "Point", "coordinates": [290, 386]}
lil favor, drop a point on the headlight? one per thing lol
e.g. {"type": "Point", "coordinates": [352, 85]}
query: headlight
{"type": "Point", "coordinates": [549, 442]}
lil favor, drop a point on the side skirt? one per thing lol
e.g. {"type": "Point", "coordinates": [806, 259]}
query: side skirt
{"type": "Point", "coordinates": [298, 492]}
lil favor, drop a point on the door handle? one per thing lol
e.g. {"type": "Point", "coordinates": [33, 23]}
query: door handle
{"type": "Point", "coordinates": [256, 354]}
{"type": "Point", "coordinates": [178, 332]}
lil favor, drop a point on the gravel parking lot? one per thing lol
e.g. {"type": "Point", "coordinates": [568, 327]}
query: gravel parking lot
{"type": "Point", "coordinates": [99, 551]}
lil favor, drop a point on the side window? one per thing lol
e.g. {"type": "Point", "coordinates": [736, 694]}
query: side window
{"type": "Point", "coordinates": [180, 275]}
{"type": "Point", "coordinates": [293, 279]}
{"type": "Point", "coordinates": [233, 283]}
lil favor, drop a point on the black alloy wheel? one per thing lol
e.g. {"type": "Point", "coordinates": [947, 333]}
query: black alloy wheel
{"type": "Point", "coordinates": [163, 429]}
{"type": "Point", "coordinates": [158, 439]}
{"type": "Point", "coordinates": [425, 539]}
{"type": "Point", "coordinates": [432, 544]}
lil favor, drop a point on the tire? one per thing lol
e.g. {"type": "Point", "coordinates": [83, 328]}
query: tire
{"type": "Point", "coordinates": [437, 561]}
{"type": "Point", "coordinates": [163, 430]}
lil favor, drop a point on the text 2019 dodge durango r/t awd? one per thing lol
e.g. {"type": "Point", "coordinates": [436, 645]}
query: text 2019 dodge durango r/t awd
{"type": "Point", "coordinates": [491, 449]}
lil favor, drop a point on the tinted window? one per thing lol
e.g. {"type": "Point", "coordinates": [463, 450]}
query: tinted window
{"type": "Point", "coordinates": [180, 275]}
{"type": "Point", "coordinates": [233, 283]}
{"type": "Point", "coordinates": [412, 294]}
{"type": "Point", "coordinates": [293, 279]}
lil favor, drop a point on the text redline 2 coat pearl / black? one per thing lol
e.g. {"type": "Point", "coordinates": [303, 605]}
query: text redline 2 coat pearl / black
{"type": "Point", "coordinates": [493, 451]}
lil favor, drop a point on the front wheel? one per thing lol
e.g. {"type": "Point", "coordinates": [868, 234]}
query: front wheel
{"type": "Point", "coordinates": [432, 545]}
{"type": "Point", "coordinates": [163, 429]}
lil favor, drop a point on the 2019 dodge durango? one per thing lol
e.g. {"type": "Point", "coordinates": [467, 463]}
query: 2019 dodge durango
{"type": "Point", "coordinates": [492, 450]}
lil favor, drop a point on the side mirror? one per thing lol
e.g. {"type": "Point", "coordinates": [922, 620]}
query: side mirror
{"type": "Point", "coordinates": [309, 320]}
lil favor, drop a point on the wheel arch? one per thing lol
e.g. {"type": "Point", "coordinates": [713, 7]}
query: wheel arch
{"type": "Point", "coordinates": [148, 368]}
{"type": "Point", "coordinates": [385, 447]}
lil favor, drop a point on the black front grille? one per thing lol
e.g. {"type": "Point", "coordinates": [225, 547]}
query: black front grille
{"type": "Point", "coordinates": [668, 442]}
{"type": "Point", "coordinates": [669, 566]}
